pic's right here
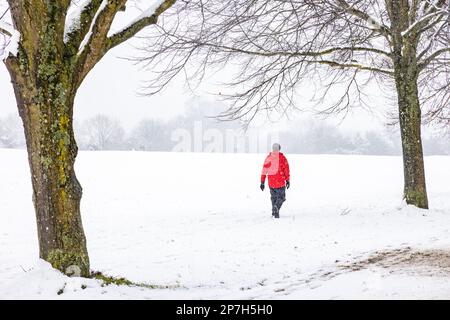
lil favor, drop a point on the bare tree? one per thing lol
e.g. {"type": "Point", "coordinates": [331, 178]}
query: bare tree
{"type": "Point", "coordinates": [278, 45]}
{"type": "Point", "coordinates": [101, 133]}
{"type": "Point", "coordinates": [51, 47]}
{"type": "Point", "coordinates": [150, 135]}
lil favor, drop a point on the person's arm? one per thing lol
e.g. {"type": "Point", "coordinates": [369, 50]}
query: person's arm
{"type": "Point", "coordinates": [264, 172]}
{"type": "Point", "coordinates": [263, 176]}
{"type": "Point", "coordinates": [287, 173]}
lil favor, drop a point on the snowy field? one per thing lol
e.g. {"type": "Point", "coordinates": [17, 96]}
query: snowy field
{"type": "Point", "coordinates": [199, 224]}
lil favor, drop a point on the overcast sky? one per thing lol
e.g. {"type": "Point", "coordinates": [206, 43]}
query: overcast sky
{"type": "Point", "coordinates": [113, 85]}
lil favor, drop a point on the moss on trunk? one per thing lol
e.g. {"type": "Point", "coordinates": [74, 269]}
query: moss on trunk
{"type": "Point", "coordinates": [56, 191]}
{"type": "Point", "coordinates": [415, 192]}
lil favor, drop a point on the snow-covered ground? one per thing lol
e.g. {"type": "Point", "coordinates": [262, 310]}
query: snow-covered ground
{"type": "Point", "coordinates": [200, 224]}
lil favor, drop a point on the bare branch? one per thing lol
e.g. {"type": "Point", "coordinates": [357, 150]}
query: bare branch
{"type": "Point", "coordinates": [98, 43]}
{"type": "Point", "coordinates": [4, 13]}
{"type": "Point", "coordinates": [433, 56]}
{"type": "Point", "coordinates": [352, 66]}
{"type": "Point", "coordinates": [4, 30]}
{"type": "Point", "coordinates": [76, 36]}
{"type": "Point", "coordinates": [424, 22]}
{"type": "Point", "coordinates": [139, 24]}
{"type": "Point", "coordinates": [271, 53]}
{"type": "Point", "coordinates": [366, 17]}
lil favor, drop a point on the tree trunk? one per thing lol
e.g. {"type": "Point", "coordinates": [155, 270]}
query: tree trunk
{"type": "Point", "coordinates": [406, 73]}
{"type": "Point", "coordinates": [415, 192]}
{"type": "Point", "coordinates": [46, 109]}
{"type": "Point", "coordinates": [56, 191]}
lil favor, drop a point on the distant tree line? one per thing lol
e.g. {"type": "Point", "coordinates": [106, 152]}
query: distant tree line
{"type": "Point", "coordinates": [102, 132]}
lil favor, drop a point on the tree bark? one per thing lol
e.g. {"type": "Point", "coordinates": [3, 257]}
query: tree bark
{"type": "Point", "coordinates": [52, 150]}
{"type": "Point", "coordinates": [415, 192]}
{"type": "Point", "coordinates": [406, 74]}
{"type": "Point", "coordinates": [45, 90]}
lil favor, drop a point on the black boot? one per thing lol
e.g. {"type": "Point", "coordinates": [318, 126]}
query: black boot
{"type": "Point", "coordinates": [275, 212]}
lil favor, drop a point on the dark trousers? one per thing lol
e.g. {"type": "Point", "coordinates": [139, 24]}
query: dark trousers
{"type": "Point", "coordinates": [278, 196]}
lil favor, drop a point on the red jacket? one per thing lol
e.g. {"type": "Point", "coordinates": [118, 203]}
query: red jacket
{"type": "Point", "coordinates": [276, 167]}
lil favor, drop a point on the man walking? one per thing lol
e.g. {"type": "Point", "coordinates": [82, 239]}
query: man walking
{"type": "Point", "coordinates": [276, 167]}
